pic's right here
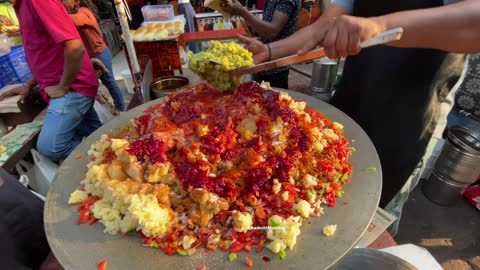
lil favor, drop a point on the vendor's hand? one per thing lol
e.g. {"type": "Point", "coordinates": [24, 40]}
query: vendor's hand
{"type": "Point", "coordinates": [342, 36]}
{"type": "Point", "coordinates": [232, 7]}
{"type": "Point", "coordinates": [5, 20]}
{"type": "Point", "coordinates": [22, 90]}
{"type": "Point", "coordinates": [56, 91]}
{"type": "Point", "coordinates": [245, 26]}
{"type": "Point", "coordinates": [257, 48]}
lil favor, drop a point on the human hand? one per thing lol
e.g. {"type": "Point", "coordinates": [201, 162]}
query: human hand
{"type": "Point", "coordinates": [5, 20]}
{"type": "Point", "coordinates": [22, 90]}
{"type": "Point", "coordinates": [232, 7]}
{"type": "Point", "coordinates": [99, 67]}
{"type": "Point", "coordinates": [257, 48]}
{"type": "Point", "coordinates": [341, 36]}
{"type": "Point", "coordinates": [56, 91]}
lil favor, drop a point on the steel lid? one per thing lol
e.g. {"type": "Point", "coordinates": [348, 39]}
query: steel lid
{"type": "Point", "coordinates": [465, 138]}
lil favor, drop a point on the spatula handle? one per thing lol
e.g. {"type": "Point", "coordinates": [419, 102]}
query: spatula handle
{"type": "Point", "coordinates": [384, 37]}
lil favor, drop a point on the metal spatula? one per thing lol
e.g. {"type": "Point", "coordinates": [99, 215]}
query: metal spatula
{"type": "Point", "coordinates": [387, 36]}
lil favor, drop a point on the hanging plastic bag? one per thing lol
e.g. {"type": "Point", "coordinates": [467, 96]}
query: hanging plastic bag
{"type": "Point", "coordinates": [104, 115]}
{"type": "Point", "coordinates": [40, 175]}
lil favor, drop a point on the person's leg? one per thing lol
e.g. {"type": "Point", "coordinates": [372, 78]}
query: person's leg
{"type": "Point", "coordinates": [90, 122]}
{"type": "Point", "coordinates": [64, 116]}
{"type": "Point", "coordinates": [108, 79]}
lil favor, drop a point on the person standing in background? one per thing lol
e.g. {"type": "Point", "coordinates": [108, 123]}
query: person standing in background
{"type": "Point", "coordinates": [228, 24]}
{"type": "Point", "coordinates": [84, 15]}
{"type": "Point", "coordinates": [234, 22]}
{"type": "Point", "coordinates": [221, 23]}
{"type": "Point", "coordinates": [56, 56]}
{"type": "Point", "coordinates": [186, 9]}
{"type": "Point", "coordinates": [280, 20]}
{"type": "Point", "coordinates": [466, 109]}
{"type": "Point", "coordinates": [201, 25]}
{"type": "Point", "coordinates": [215, 24]}
{"type": "Point", "coordinates": [206, 26]}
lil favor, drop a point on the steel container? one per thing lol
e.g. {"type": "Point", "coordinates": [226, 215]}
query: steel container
{"type": "Point", "coordinates": [441, 190]}
{"type": "Point", "coordinates": [456, 164]}
{"type": "Point", "coordinates": [465, 138]}
{"type": "Point", "coordinates": [324, 73]}
{"type": "Point", "coordinates": [169, 84]}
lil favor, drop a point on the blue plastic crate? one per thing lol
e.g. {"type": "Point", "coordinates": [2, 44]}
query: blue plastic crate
{"type": "Point", "coordinates": [14, 67]}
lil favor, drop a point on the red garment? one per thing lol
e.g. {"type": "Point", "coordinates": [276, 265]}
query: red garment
{"type": "Point", "coordinates": [89, 30]}
{"type": "Point", "coordinates": [45, 25]}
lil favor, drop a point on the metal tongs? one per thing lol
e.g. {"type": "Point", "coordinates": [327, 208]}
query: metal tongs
{"type": "Point", "coordinates": [387, 36]}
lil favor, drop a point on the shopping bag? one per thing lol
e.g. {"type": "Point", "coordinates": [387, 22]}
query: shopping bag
{"type": "Point", "coordinates": [104, 115]}
{"type": "Point", "coordinates": [40, 174]}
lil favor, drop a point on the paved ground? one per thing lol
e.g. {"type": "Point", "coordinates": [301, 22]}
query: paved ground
{"type": "Point", "coordinates": [451, 234]}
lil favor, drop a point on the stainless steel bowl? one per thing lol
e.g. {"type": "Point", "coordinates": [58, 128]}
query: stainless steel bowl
{"type": "Point", "coordinates": [168, 84]}
{"type": "Point", "coordinates": [372, 259]}
{"type": "Point", "coordinates": [441, 190]}
{"type": "Point", "coordinates": [465, 138]}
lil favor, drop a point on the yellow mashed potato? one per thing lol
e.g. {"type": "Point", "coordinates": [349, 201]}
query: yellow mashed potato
{"type": "Point", "coordinates": [229, 56]}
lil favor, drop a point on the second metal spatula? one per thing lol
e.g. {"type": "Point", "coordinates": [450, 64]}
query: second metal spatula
{"type": "Point", "coordinates": [387, 36]}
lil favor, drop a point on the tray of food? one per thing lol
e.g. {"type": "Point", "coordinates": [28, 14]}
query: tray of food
{"type": "Point", "coordinates": [209, 180]}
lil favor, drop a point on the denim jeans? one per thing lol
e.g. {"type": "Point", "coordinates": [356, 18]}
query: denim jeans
{"type": "Point", "coordinates": [456, 118]}
{"type": "Point", "coordinates": [108, 79]}
{"type": "Point", "coordinates": [68, 120]}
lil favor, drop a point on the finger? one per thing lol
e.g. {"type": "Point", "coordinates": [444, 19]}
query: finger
{"type": "Point", "coordinates": [244, 39]}
{"type": "Point", "coordinates": [342, 43]}
{"type": "Point", "coordinates": [354, 40]}
{"type": "Point", "coordinates": [330, 43]}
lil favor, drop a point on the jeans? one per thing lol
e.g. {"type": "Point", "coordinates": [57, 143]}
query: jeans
{"type": "Point", "coordinates": [68, 120]}
{"type": "Point", "coordinates": [456, 118]}
{"type": "Point", "coordinates": [108, 79]}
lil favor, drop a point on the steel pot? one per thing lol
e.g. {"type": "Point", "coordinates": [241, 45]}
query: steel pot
{"type": "Point", "coordinates": [442, 191]}
{"type": "Point", "coordinates": [163, 86]}
{"type": "Point", "coordinates": [466, 139]}
{"type": "Point", "coordinates": [324, 73]}
{"type": "Point", "coordinates": [457, 165]}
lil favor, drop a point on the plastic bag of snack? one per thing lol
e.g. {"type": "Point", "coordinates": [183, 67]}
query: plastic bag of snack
{"type": "Point", "coordinates": [473, 195]}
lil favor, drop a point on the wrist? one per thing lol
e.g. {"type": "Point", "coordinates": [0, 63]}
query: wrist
{"type": "Point", "coordinates": [381, 22]}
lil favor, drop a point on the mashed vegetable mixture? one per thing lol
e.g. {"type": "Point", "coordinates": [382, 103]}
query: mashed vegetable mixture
{"type": "Point", "coordinates": [229, 56]}
{"type": "Point", "coordinates": [209, 169]}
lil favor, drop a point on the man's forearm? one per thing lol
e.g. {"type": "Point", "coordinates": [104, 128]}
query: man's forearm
{"type": "Point", "coordinates": [295, 42]}
{"type": "Point", "coordinates": [262, 28]}
{"type": "Point", "coordinates": [453, 28]}
{"type": "Point", "coordinates": [74, 52]}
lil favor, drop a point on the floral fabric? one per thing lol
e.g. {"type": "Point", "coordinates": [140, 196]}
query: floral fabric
{"type": "Point", "coordinates": [467, 98]}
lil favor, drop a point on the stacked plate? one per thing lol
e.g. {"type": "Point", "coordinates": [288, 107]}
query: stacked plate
{"type": "Point", "coordinates": [457, 166]}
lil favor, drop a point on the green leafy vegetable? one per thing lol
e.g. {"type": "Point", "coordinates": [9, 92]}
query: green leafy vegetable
{"type": "Point", "coordinates": [352, 149]}
{"type": "Point", "coordinates": [310, 193]}
{"type": "Point", "coordinates": [282, 254]}
{"type": "Point", "coordinates": [371, 169]}
{"type": "Point", "coordinates": [182, 252]}
{"type": "Point", "coordinates": [339, 193]}
{"type": "Point", "coordinates": [273, 223]}
{"type": "Point", "coordinates": [154, 245]}
{"type": "Point", "coordinates": [232, 256]}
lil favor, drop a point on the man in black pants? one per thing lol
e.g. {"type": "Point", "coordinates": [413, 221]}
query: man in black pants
{"type": "Point", "coordinates": [23, 244]}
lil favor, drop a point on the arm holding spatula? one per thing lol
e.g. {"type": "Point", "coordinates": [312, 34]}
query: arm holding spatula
{"type": "Point", "coordinates": [451, 28]}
